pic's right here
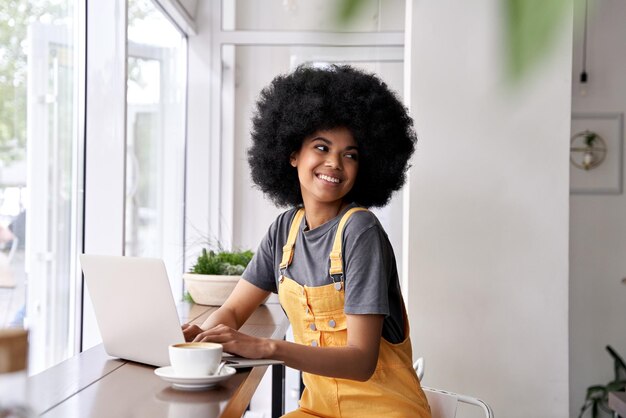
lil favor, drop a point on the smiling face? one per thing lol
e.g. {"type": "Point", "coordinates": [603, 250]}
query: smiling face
{"type": "Point", "coordinates": [327, 165]}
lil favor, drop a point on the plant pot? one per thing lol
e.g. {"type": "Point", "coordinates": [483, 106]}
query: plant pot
{"type": "Point", "coordinates": [207, 289]}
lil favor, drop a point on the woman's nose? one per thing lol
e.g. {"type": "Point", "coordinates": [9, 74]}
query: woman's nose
{"type": "Point", "coordinates": [334, 161]}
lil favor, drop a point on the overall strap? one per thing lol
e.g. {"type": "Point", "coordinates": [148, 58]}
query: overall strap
{"type": "Point", "coordinates": [291, 239]}
{"type": "Point", "coordinates": [336, 266]}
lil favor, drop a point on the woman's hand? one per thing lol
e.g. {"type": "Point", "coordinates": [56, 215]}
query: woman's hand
{"type": "Point", "coordinates": [243, 300]}
{"type": "Point", "coordinates": [235, 342]}
{"type": "Point", "coordinates": [191, 331]}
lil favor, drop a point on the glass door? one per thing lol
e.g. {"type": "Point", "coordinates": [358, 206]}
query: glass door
{"type": "Point", "coordinates": [40, 208]}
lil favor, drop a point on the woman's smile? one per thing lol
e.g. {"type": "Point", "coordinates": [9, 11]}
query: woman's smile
{"type": "Point", "coordinates": [329, 178]}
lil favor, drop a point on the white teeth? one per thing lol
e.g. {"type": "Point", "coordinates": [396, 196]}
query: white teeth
{"type": "Point", "coordinates": [328, 178]}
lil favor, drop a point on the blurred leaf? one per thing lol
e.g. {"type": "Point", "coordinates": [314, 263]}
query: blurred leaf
{"type": "Point", "coordinates": [531, 26]}
{"type": "Point", "coordinates": [616, 386]}
{"type": "Point", "coordinates": [187, 297]}
{"type": "Point", "coordinates": [347, 10]}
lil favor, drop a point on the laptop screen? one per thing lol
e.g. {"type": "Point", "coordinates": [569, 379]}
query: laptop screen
{"type": "Point", "coordinates": [134, 307]}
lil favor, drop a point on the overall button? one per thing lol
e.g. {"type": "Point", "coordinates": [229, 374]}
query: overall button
{"type": "Point", "coordinates": [313, 328]}
{"type": "Point", "coordinates": [313, 343]}
{"type": "Point", "coordinates": [281, 278]}
{"type": "Point", "coordinates": [332, 323]}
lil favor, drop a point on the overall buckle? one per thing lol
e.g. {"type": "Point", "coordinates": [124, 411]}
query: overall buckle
{"type": "Point", "coordinates": [337, 280]}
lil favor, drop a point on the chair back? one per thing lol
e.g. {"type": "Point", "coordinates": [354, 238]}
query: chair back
{"type": "Point", "coordinates": [443, 404]}
{"type": "Point", "coordinates": [419, 368]}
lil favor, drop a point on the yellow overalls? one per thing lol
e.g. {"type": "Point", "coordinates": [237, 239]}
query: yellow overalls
{"type": "Point", "coordinates": [318, 319]}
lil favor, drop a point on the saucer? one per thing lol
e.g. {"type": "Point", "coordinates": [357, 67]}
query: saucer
{"type": "Point", "coordinates": [193, 382]}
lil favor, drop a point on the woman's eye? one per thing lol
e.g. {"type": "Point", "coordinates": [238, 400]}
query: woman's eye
{"type": "Point", "coordinates": [353, 156]}
{"type": "Point", "coordinates": [321, 147]}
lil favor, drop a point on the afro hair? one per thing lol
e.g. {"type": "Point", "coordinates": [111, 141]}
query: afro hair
{"type": "Point", "coordinates": [310, 99]}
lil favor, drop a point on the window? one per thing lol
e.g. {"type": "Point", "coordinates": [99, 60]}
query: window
{"type": "Point", "coordinates": [42, 147]}
{"type": "Point", "coordinates": [155, 138]}
{"type": "Point", "coordinates": [40, 208]}
{"type": "Point", "coordinates": [135, 124]}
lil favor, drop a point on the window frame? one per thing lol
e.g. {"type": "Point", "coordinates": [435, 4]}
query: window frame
{"type": "Point", "coordinates": [105, 137]}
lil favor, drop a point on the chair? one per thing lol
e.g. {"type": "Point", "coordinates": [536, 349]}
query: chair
{"type": "Point", "coordinates": [443, 404]}
{"type": "Point", "coordinates": [419, 367]}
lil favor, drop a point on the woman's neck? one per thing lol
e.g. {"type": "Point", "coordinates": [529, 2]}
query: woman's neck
{"type": "Point", "coordinates": [319, 214]}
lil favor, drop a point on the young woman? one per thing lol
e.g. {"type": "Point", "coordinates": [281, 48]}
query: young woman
{"type": "Point", "coordinates": [329, 143]}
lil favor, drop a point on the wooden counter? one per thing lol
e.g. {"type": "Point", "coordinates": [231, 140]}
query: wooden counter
{"type": "Point", "coordinates": [92, 384]}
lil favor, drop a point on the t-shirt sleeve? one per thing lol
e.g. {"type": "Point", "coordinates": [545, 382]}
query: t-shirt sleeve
{"type": "Point", "coordinates": [366, 264]}
{"type": "Point", "coordinates": [260, 271]}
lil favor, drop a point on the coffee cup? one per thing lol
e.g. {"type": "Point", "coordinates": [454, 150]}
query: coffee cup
{"type": "Point", "coordinates": [195, 359]}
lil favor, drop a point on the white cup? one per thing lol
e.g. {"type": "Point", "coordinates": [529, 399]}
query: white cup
{"type": "Point", "coordinates": [195, 359]}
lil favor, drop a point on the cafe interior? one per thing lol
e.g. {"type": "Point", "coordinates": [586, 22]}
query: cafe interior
{"type": "Point", "coordinates": [124, 130]}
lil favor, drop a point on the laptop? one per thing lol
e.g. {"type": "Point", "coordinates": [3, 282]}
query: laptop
{"type": "Point", "coordinates": [134, 307]}
{"type": "Point", "coordinates": [136, 312]}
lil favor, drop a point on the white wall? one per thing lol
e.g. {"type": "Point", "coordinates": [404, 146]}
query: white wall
{"type": "Point", "coordinates": [598, 222]}
{"type": "Point", "coordinates": [488, 219]}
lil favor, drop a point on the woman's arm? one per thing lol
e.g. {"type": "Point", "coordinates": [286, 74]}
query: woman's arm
{"type": "Point", "coordinates": [357, 360]}
{"type": "Point", "coordinates": [243, 300]}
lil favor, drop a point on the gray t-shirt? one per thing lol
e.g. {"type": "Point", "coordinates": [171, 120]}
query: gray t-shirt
{"type": "Point", "coordinates": [370, 273]}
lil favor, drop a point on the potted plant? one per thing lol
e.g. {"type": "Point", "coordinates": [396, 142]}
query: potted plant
{"type": "Point", "coordinates": [597, 399]}
{"type": "Point", "coordinates": [215, 274]}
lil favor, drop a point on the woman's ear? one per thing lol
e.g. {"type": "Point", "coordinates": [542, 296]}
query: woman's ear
{"type": "Point", "coordinates": [293, 159]}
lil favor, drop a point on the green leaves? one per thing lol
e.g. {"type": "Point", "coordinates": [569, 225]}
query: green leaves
{"type": "Point", "coordinates": [597, 398]}
{"type": "Point", "coordinates": [531, 28]}
{"type": "Point", "coordinates": [348, 9]}
{"type": "Point", "coordinates": [222, 262]}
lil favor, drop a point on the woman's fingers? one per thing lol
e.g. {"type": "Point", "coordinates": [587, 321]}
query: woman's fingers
{"type": "Point", "coordinates": [233, 341]}
{"type": "Point", "coordinates": [221, 332]}
{"type": "Point", "coordinates": [190, 332]}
